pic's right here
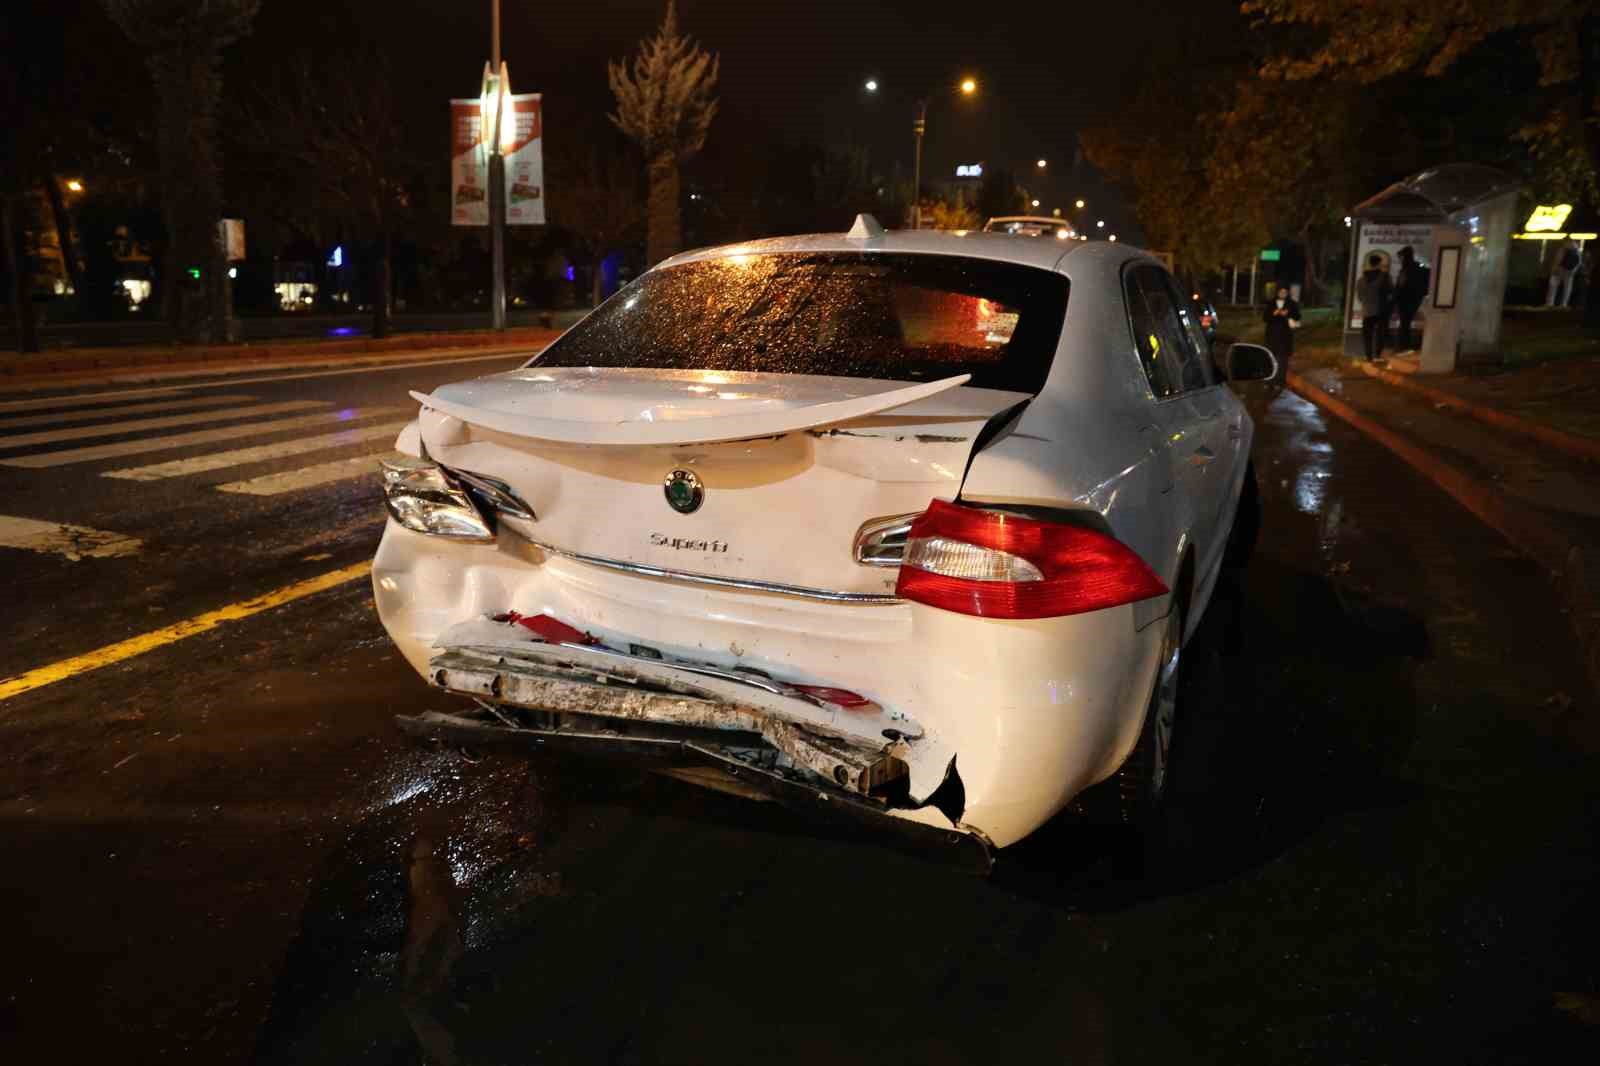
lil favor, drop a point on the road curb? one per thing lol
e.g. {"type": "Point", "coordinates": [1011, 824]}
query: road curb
{"type": "Point", "coordinates": [1542, 541]}
{"type": "Point", "coordinates": [1585, 448]}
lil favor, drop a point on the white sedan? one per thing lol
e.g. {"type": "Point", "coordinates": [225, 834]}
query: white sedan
{"type": "Point", "coordinates": [906, 527]}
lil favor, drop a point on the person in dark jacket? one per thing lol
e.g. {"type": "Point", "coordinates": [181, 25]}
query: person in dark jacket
{"type": "Point", "coordinates": [1374, 291]}
{"type": "Point", "coordinates": [1408, 294]}
{"type": "Point", "coordinates": [1282, 316]}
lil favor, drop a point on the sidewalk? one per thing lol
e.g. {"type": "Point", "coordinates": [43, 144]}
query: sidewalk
{"type": "Point", "coordinates": [1528, 466]}
{"type": "Point", "coordinates": [64, 366]}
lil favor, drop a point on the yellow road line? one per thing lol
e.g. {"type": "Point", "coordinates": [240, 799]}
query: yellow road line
{"type": "Point", "coordinates": [127, 649]}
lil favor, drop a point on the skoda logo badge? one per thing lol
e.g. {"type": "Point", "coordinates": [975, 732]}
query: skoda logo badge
{"type": "Point", "coordinates": [684, 491]}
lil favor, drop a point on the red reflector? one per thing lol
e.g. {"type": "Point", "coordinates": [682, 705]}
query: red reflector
{"type": "Point", "coordinates": [546, 628]}
{"type": "Point", "coordinates": [839, 696]}
{"type": "Point", "coordinates": [1081, 569]}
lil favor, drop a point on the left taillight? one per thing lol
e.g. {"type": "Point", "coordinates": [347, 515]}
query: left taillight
{"type": "Point", "coordinates": [998, 565]}
{"type": "Point", "coordinates": [423, 496]}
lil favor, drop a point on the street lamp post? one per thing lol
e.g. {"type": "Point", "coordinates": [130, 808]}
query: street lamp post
{"type": "Point", "coordinates": [497, 184]}
{"type": "Point", "coordinates": [918, 127]}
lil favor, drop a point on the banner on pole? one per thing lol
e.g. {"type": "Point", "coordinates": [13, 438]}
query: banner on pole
{"type": "Point", "coordinates": [522, 144]}
{"type": "Point", "coordinates": [524, 152]}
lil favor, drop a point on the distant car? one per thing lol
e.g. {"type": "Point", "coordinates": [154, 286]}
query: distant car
{"type": "Point", "coordinates": [1208, 315]}
{"type": "Point", "coordinates": [1031, 226]}
{"type": "Point", "coordinates": [909, 528]}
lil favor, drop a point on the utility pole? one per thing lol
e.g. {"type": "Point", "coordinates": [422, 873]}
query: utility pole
{"type": "Point", "coordinates": [497, 182]}
{"type": "Point", "coordinates": [919, 126]}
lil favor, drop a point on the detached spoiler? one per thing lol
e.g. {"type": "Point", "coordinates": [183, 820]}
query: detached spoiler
{"type": "Point", "coordinates": [742, 426]}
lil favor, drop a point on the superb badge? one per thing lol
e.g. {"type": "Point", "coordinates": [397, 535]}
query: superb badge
{"type": "Point", "coordinates": [684, 491]}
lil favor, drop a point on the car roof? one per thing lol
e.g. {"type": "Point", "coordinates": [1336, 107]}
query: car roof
{"type": "Point", "coordinates": [975, 244]}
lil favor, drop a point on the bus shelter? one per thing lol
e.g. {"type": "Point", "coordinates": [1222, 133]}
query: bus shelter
{"type": "Point", "coordinates": [1457, 220]}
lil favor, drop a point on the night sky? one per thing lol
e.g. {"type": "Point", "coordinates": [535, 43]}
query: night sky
{"type": "Point", "coordinates": [795, 71]}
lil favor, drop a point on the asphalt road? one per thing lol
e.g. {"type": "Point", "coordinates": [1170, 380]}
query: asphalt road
{"type": "Point", "coordinates": [221, 850]}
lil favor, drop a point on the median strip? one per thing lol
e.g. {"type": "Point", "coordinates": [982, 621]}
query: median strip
{"type": "Point", "coordinates": [127, 649]}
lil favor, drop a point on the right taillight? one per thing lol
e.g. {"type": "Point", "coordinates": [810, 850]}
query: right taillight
{"type": "Point", "coordinates": [1000, 565]}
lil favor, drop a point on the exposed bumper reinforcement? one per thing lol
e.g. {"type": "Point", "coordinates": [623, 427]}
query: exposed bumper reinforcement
{"type": "Point", "coordinates": [962, 848]}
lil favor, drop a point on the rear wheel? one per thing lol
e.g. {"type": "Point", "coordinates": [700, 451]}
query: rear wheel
{"type": "Point", "coordinates": [1145, 780]}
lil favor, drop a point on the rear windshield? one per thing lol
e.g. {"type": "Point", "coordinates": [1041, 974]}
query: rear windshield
{"type": "Point", "coordinates": [851, 314]}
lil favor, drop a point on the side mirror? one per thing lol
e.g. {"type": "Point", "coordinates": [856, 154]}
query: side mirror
{"type": "Point", "coordinates": [1251, 362]}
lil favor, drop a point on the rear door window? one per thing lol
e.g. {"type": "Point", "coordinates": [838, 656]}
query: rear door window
{"type": "Point", "coordinates": [843, 314]}
{"type": "Point", "coordinates": [1166, 333]}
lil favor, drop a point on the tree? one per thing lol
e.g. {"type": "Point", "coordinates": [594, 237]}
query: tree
{"type": "Point", "coordinates": [1000, 194]}
{"type": "Point", "coordinates": [1361, 41]}
{"type": "Point", "coordinates": [333, 130]}
{"type": "Point", "coordinates": [182, 41]}
{"type": "Point", "coordinates": [595, 199]}
{"type": "Point", "coordinates": [665, 104]}
{"type": "Point", "coordinates": [955, 213]}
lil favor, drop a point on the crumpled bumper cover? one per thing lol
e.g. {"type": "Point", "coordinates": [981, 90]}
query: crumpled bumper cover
{"type": "Point", "coordinates": [699, 761]}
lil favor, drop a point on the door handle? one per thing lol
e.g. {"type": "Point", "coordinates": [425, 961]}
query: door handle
{"type": "Point", "coordinates": [1202, 455]}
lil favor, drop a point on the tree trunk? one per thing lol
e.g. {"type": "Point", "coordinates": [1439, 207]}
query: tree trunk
{"type": "Point", "coordinates": [21, 287]}
{"type": "Point", "coordinates": [665, 235]}
{"type": "Point", "coordinates": [381, 298]}
{"type": "Point", "coordinates": [58, 212]}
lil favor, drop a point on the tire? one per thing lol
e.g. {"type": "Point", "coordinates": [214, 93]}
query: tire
{"type": "Point", "coordinates": [1144, 783]}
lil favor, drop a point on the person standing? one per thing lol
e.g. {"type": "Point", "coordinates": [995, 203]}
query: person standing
{"type": "Point", "coordinates": [1408, 295]}
{"type": "Point", "coordinates": [1374, 291]}
{"type": "Point", "coordinates": [1282, 317]}
{"type": "Point", "coordinates": [1566, 264]}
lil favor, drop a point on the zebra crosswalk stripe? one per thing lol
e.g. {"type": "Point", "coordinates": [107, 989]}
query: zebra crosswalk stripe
{"type": "Point", "coordinates": [90, 414]}
{"type": "Point", "coordinates": [119, 449]}
{"type": "Point", "coordinates": [74, 542]}
{"type": "Point", "coordinates": [93, 400]}
{"type": "Point", "coordinates": [112, 429]}
{"type": "Point", "coordinates": [260, 453]}
{"type": "Point", "coordinates": [309, 476]}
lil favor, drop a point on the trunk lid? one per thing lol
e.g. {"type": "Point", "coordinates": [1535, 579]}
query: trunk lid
{"type": "Point", "coordinates": [788, 467]}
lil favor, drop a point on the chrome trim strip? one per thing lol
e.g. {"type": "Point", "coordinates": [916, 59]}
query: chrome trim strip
{"type": "Point", "coordinates": [869, 598]}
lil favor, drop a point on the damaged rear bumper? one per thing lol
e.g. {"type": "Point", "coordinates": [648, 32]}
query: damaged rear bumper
{"type": "Point", "coordinates": [733, 730]}
{"type": "Point", "coordinates": [696, 760]}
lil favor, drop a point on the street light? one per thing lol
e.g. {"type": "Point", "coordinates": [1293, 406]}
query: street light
{"type": "Point", "coordinates": [1113, 237]}
{"type": "Point", "coordinates": [1041, 164]}
{"type": "Point", "coordinates": [1079, 205]}
{"type": "Point", "coordinates": [492, 134]}
{"type": "Point", "coordinates": [1035, 203]}
{"type": "Point", "coordinates": [919, 126]}
{"type": "Point", "coordinates": [1101, 224]}
{"type": "Point", "coordinates": [75, 185]}
{"type": "Point", "coordinates": [872, 85]}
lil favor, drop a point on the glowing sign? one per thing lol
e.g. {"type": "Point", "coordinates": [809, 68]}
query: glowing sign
{"type": "Point", "coordinates": [1547, 218]}
{"type": "Point", "coordinates": [1271, 255]}
{"type": "Point", "coordinates": [337, 258]}
{"type": "Point", "coordinates": [969, 170]}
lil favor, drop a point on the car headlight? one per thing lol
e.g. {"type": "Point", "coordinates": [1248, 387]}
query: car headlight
{"type": "Point", "coordinates": [424, 496]}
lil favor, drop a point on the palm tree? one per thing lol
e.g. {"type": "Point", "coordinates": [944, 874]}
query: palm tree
{"type": "Point", "coordinates": [664, 103]}
{"type": "Point", "coordinates": [182, 41]}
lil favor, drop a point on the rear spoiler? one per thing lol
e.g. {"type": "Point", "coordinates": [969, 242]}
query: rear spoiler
{"type": "Point", "coordinates": [691, 430]}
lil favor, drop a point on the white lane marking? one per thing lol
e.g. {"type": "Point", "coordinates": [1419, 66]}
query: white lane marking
{"type": "Point", "coordinates": [74, 542]}
{"type": "Point", "coordinates": [204, 436]}
{"type": "Point", "coordinates": [86, 401]}
{"type": "Point", "coordinates": [112, 429]}
{"type": "Point", "coordinates": [224, 382]}
{"type": "Point", "coordinates": [306, 477]}
{"type": "Point", "coordinates": [261, 453]}
{"type": "Point", "coordinates": [90, 414]}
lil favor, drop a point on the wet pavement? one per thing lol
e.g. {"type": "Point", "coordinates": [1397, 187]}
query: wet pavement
{"type": "Point", "coordinates": [222, 851]}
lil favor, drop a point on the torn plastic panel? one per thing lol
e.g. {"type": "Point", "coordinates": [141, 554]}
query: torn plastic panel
{"type": "Point", "coordinates": [840, 737]}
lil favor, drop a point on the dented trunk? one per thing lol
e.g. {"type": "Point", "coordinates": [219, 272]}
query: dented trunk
{"type": "Point", "coordinates": [636, 468]}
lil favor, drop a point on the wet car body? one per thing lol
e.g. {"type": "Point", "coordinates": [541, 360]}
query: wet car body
{"type": "Point", "coordinates": [942, 603]}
